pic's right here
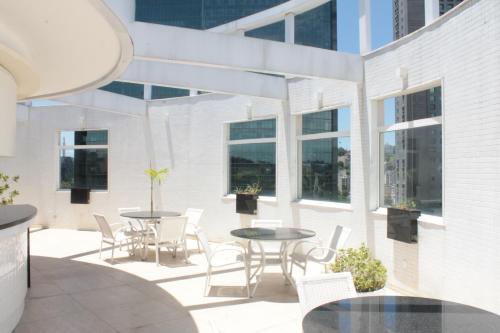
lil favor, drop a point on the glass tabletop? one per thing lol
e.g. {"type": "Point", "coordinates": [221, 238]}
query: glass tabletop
{"type": "Point", "coordinates": [148, 215]}
{"type": "Point", "coordinates": [278, 234]}
{"type": "Point", "coordinates": [399, 314]}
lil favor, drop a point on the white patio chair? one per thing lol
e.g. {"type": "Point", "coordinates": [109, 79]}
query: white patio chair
{"type": "Point", "coordinates": [129, 224]}
{"type": "Point", "coordinates": [112, 237]}
{"type": "Point", "coordinates": [194, 216]}
{"type": "Point", "coordinates": [170, 233]}
{"type": "Point", "coordinates": [222, 255]}
{"type": "Point", "coordinates": [312, 251]}
{"type": "Point", "coordinates": [317, 290]}
{"type": "Point", "coordinates": [270, 248]}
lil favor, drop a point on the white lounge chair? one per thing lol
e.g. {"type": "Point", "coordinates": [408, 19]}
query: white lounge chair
{"type": "Point", "coordinates": [113, 237]}
{"type": "Point", "coordinates": [128, 223]}
{"type": "Point", "coordinates": [222, 255]}
{"type": "Point", "coordinates": [313, 251]}
{"type": "Point", "coordinates": [314, 291]}
{"type": "Point", "coordinates": [194, 216]}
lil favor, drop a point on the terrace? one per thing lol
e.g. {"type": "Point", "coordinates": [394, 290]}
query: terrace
{"type": "Point", "coordinates": [395, 148]}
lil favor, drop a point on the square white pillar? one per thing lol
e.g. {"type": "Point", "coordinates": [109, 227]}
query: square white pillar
{"type": "Point", "coordinates": [431, 10]}
{"type": "Point", "coordinates": [290, 28]}
{"type": "Point", "coordinates": [365, 29]}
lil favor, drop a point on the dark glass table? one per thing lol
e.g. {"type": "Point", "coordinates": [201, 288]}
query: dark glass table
{"type": "Point", "coordinates": [399, 314]}
{"type": "Point", "coordinates": [283, 235]}
{"type": "Point", "coordinates": [148, 219]}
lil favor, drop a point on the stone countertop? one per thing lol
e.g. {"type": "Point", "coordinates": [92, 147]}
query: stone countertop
{"type": "Point", "coordinates": [12, 215]}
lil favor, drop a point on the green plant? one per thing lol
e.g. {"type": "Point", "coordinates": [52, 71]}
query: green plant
{"type": "Point", "coordinates": [407, 204]}
{"type": "Point", "coordinates": [368, 273]}
{"type": "Point", "coordinates": [249, 189]}
{"type": "Point", "coordinates": [156, 176]}
{"type": "Point", "coordinates": [7, 194]}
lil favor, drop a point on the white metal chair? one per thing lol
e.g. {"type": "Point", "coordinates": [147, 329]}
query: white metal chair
{"type": "Point", "coordinates": [270, 248]}
{"type": "Point", "coordinates": [112, 237]}
{"type": "Point", "coordinates": [222, 255]}
{"type": "Point", "coordinates": [170, 233]}
{"type": "Point", "coordinates": [129, 224]}
{"type": "Point", "coordinates": [194, 216]}
{"type": "Point", "coordinates": [310, 251]}
{"type": "Point", "coordinates": [317, 290]}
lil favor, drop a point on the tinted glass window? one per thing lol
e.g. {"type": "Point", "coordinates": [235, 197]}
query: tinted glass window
{"type": "Point", "coordinates": [326, 169]}
{"type": "Point", "coordinates": [275, 31]}
{"type": "Point", "coordinates": [166, 92]}
{"type": "Point", "coordinates": [83, 138]}
{"type": "Point", "coordinates": [326, 121]}
{"type": "Point", "coordinates": [253, 164]}
{"type": "Point", "coordinates": [420, 105]}
{"type": "Point", "coordinates": [87, 168]}
{"type": "Point", "coordinates": [256, 129]}
{"type": "Point", "coordinates": [125, 88]}
{"type": "Point", "coordinates": [413, 168]}
{"type": "Point", "coordinates": [318, 27]}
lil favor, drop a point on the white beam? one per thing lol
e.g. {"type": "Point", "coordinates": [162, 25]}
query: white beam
{"type": "Point", "coordinates": [206, 79]}
{"type": "Point", "coordinates": [290, 28]}
{"type": "Point", "coordinates": [431, 10]}
{"type": "Point", "coordinates": [202, 48]}
{"type": "Point", "coordinates": [365, 30]}
{"type": "Point", "coordinates": [106, 101]}
{"type": "Point", "coordinates": [269, 16]}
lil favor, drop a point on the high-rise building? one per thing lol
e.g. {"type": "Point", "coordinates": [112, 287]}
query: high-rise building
{"type": "Point", "coordinates": [317, 27]}
{"type": "Point", "coordinates": [409, 16]}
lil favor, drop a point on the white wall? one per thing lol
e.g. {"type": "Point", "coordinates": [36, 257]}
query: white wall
{"type": "Point", "coordinates": [456, 259]}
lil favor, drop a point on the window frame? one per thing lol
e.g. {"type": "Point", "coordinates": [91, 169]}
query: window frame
{"type": "Point", "coordinates": [227, 161]}
{"type": "Point", "coordinates": [60, 148]}
{"type": "Point", "coordinates": [381, 128]}
{"type": "Point", "coordinates": [299, 138]}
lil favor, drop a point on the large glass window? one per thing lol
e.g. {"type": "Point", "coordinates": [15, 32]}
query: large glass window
{"type": "Point", "coordinates": [252, 155]}
{"type": "Point", "coordinates": [411, 146]}
{"type": "Point", "coordinates": [325, 156]}
{"type": "Point", "coordinates": [83, 159]}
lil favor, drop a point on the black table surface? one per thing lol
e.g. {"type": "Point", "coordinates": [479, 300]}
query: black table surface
{"type": "Point", "coordinates": [399, 314]}
{"type": "Point", "coordinates": [277, 234]}
{"type": "Point", "coordinates": [12, 215]}
{"type": "Point", "coordinates": [148, 215]}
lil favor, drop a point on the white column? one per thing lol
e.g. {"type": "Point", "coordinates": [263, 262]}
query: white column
{"type": "Point", "coordinates": [290, 28]}
{"type": "Point", "coordinates": [8, 99]}
{"type": "Point", "coordinates": [365, 32]}
{"type": "Point", "coordinates": [431, 10]}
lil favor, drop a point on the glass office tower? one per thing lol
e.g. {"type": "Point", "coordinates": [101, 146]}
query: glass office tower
{"type": "Point", "coordinates": [317, 27]}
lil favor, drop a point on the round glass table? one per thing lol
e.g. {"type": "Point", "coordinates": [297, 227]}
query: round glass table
{"type": "Point", "coordinates": [283, 235]}
{"type": "Point", "coordinates": [399, 314]}
{"type": "Point", "coordinates": [148, 219]}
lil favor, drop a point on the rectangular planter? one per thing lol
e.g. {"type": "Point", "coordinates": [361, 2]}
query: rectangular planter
{"type": "Point", "coordinates": [402, 224]}
{"type": "Point", "coordinates": [246, 203]}
{"type": "Point", "coordinates": [80, 196]}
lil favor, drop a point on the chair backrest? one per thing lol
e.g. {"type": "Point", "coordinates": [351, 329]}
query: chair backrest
{"type": "Point", "coordinates": [128, 222]}
{"type": "Point", "coordinates": [317, 290]}
{"type": "Point", "coordinates": [269, 247]}
{"type": "Point", "coordinates": [337, 241]}
{"type": "Point", "coordinates": [104, 226]}
{"type": "Point", "coordinates": [202, 237]}
{"type": "Point", "coordinates": [194, 216]}
{"type": "Point", "coordinates": [172, 229]}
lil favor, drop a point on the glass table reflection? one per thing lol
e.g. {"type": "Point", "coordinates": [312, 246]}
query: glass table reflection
{"type": "Point", "coordinates": [399, 314]}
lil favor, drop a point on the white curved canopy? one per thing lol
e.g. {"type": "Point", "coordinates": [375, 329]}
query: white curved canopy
{"type": "Point", "coordinates": [54, 47]}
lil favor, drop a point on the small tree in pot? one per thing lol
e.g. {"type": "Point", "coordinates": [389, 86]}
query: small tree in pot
{"type": "Point", "coordinates": [155, 176]}
{"type": "Point", "coordinates": [7, 194]}
{"type": "Point", "coordinates": [367, 272]}
{"type": "Point", "coordinates": [246, 199]}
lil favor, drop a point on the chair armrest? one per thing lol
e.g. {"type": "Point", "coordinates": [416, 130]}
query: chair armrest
{"type": "Point", "coordinates": [310, 252]}
{"type": "Point", "coordinates": [236, 250]}
{"type": "Point", "coordinates": [296, 244]}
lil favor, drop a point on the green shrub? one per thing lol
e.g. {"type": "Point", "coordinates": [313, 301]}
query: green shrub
{"type": "Point", "coordinates": [7, 194]}
{"type": "Point", "coordinates": [368, 273]}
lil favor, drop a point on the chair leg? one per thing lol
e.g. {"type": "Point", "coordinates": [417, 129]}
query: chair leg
{"type": "Point", "coordinates": [198, 244]}
{"type": "Point", "coordinates": [157, 255]}
{"type": "Point", "coordinates": [247, 277]}
{"type": "Point", "coordinates": [186, 258]}
{"type": "Point", "coordinates": [207, 280]}
{"type": "Point", "coordinates": [113, 254]}
{"type": "Point", "coordinates": [100, 249]}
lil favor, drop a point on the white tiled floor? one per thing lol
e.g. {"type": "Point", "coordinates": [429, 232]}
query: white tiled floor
{"type": "Point", "coordinates": [74, 291]}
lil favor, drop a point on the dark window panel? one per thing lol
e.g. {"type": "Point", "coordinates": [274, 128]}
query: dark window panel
{"type": "Point", "coordinates": [83, 138]}
{"type": "Point", "coordinates": [180, 13]}
{"type": "Point", "coordinates": [255, 129]}
{"type": "Point", "coordinates": [125, 88]}
{"type": "Point", "coordinates": [166, 92]}
{"type": "Point", "coordinates": [275, 31]}
{"type": "Point", "coordinates": [318, 27]}
{"type": "Point", "coordinates": [87, 168]}
{"type": "Point", "coordinates": [326, 121]}
{"type": "Point", "coordinates": [253, 164]}
{"type": "Point", "coordinates": [326, 169]}
{"type": "Point", "coordinates": [420, 105]}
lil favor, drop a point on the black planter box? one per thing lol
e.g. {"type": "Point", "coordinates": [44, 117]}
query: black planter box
{"type": "Point", "coordinates": [246, 203]}
{"type": "Point", "coordinates": [80, 196]}
{"type": "Point", "coordinates": [402, 225]}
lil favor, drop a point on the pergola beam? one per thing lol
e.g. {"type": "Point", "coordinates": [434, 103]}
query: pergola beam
{"type": "Point", "coordinates": [207, 79]}
{"type": "Point", "coordinates": [202, 48]}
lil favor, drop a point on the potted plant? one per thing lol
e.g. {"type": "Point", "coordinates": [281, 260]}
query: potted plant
{"type": "Point", "coordinates": [368, 273]}
{"type": "Point", "coordinates": [402, 222]}
{"type": "Point", "coordinates": [246, 199]}
{"type": "Point", "coordinates": [7, 194]}
{"type": "Point", "coordinates": [155, 176]}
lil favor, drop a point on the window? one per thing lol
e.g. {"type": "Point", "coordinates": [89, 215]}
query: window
{"type": "Point", "coordinates": [252, 155]}
{"type": "Point", "coordinates": [83, 159]}
{"type": "Point", "coordinates": [325, 155]}
{"type": "Point", "coordinates": [411, 151]}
